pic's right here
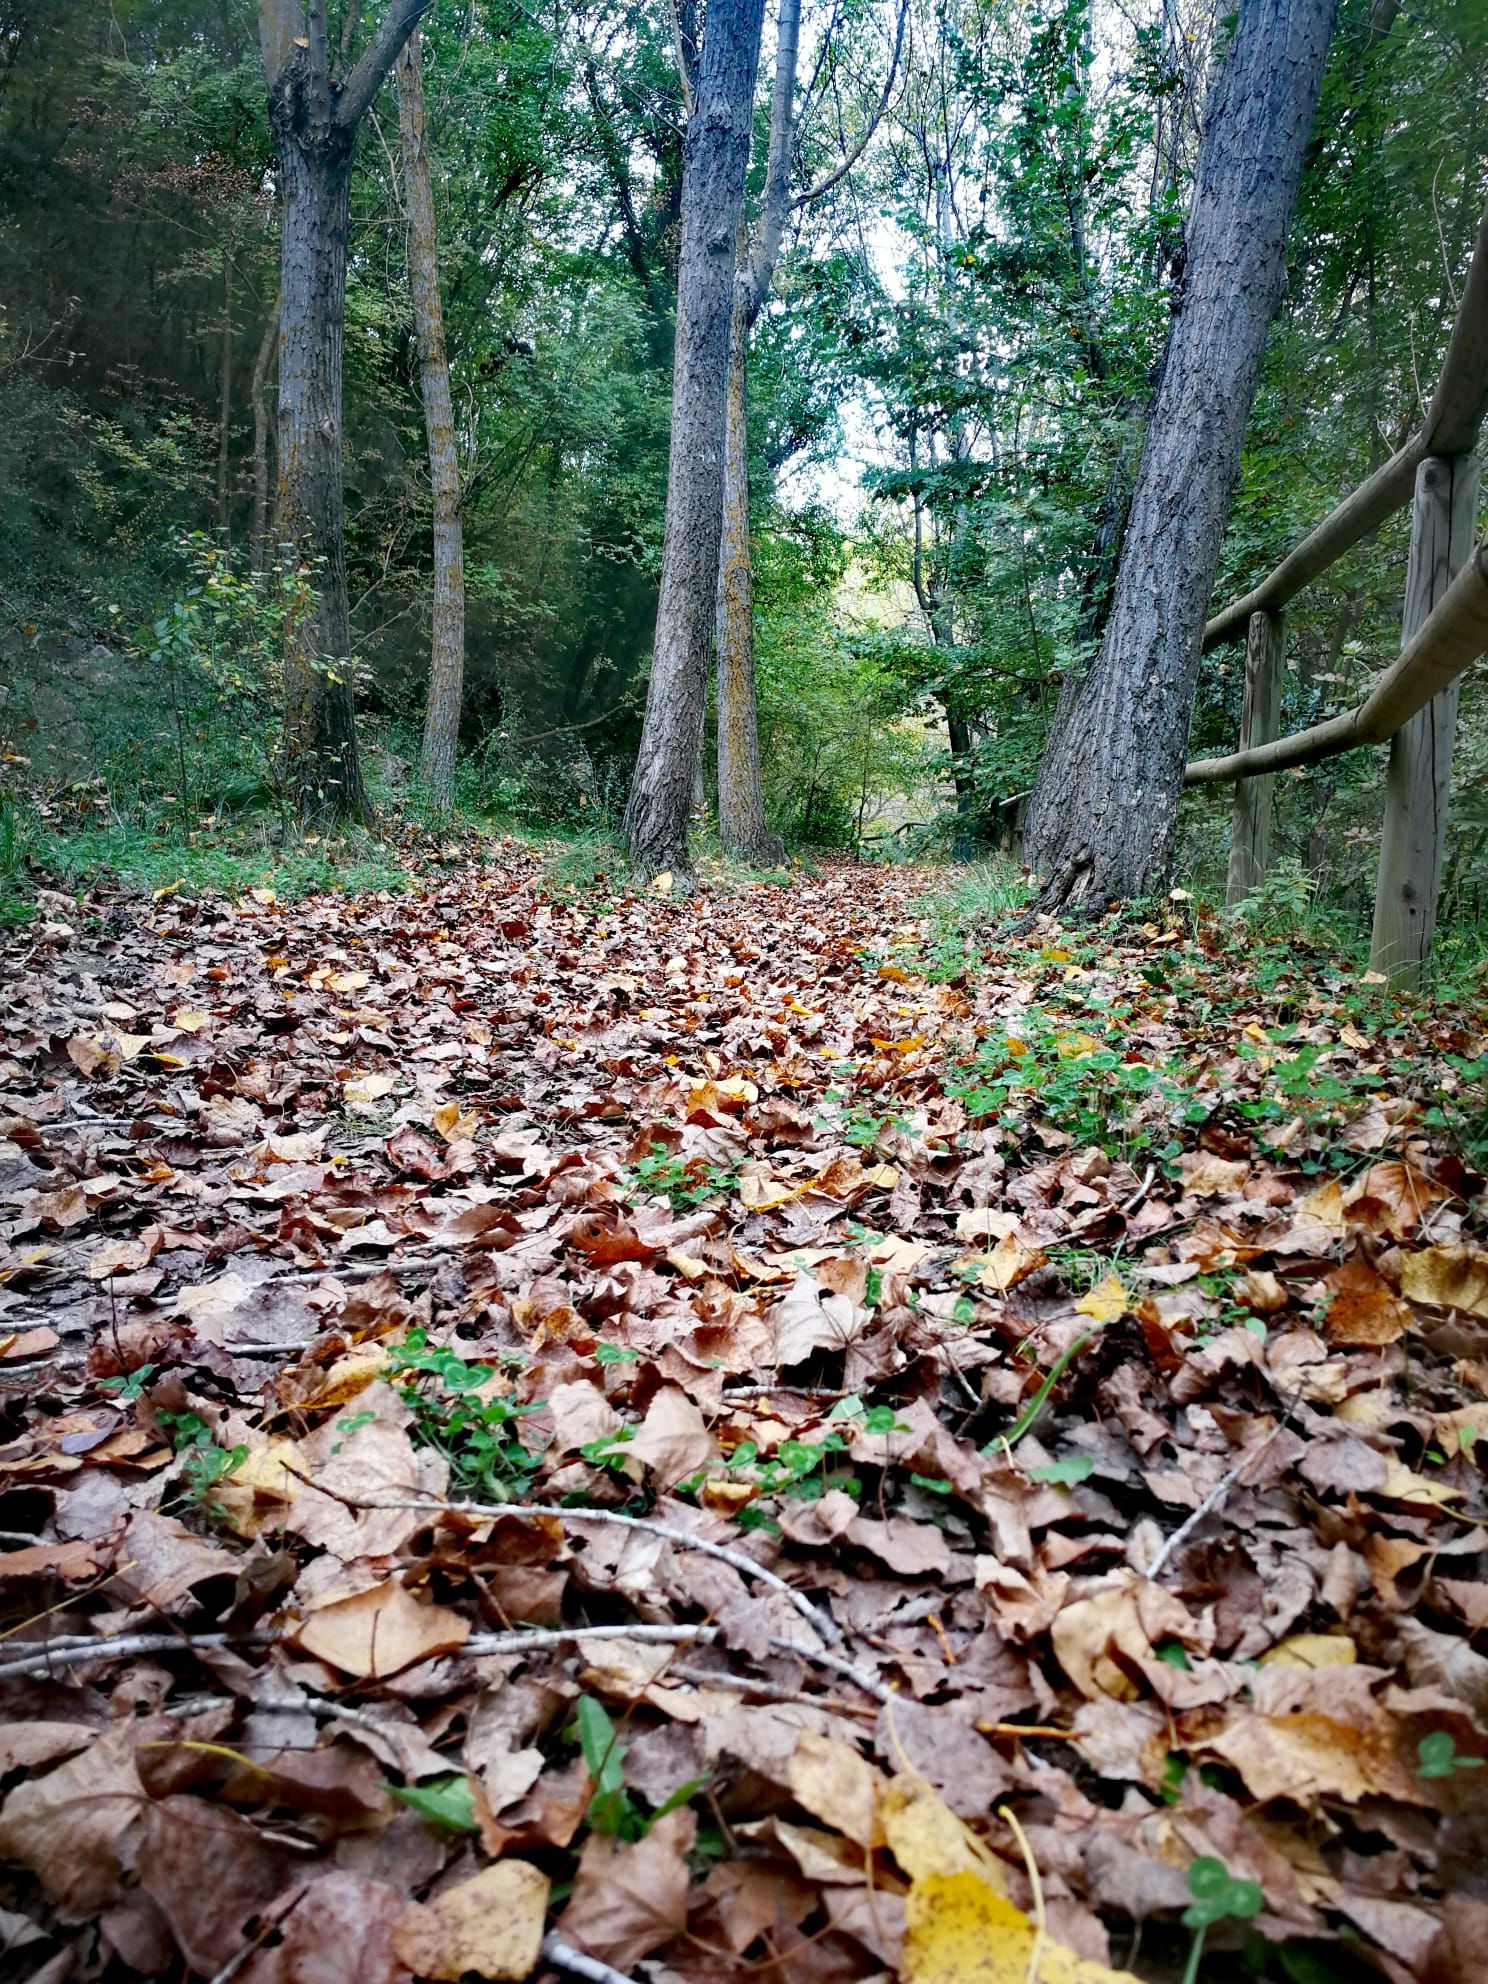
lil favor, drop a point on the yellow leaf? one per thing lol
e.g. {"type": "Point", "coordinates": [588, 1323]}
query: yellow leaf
{"type": "Point", "coordinates": [661, 885]}
{"type": "Point", "coordinates": [1312, 1650]}
{"type": "Point", "coordinates": [925, 1836]}
{"type": "Point", "coordinates": [1070, 1046]}
{"type": "Point", "coordinates": [161, 894]}
{"type": "Point", "coordinates": [899, 1046]}
{"type": "Point", "coordinates": [489, 1926]}
{"type": "Point", "coordinates": [1402, 1485]}
{"type": "Point", "coordinates": [1447, 1278]}
{"type": "Point", "coordinates": [368, 1088]}
{"type": "Point", "coordinates": [454, 1126]}
{"type": "Point", "coordinates": [189, 1019]}
{"type": "Point", "coordinates": [347, 981]}
{"type": "Point", "coordinates": [1105, 1302]}
{"type": "Point", "coordinates": [1009, 1263]}
{"type": "Point", "coordinates": [957, 1931]}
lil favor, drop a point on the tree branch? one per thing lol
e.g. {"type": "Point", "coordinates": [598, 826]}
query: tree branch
{"type": "Point", "coordinates": [279, 22]}
{"type": "Point", "coordinates": [835, 178]}
{"type": "Point", "coordinates": [372, 71]}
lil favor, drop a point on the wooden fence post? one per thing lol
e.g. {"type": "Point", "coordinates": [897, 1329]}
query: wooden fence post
{"type": "Point", "coordinates": [1260, 721]}
{"type": "Point", "coordinates": [1443, 516]}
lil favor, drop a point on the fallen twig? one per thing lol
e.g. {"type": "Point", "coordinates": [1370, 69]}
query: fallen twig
{"type": "Point", "coordinates": [1210, 1503]}
{"type": "Point", "coordinates": [563, 1956]}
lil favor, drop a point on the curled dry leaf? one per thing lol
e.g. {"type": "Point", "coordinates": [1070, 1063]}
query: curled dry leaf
{"type": "Point", "coordinates": [380, 1631]}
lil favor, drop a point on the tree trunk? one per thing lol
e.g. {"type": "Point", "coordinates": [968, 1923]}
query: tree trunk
{"type": "Point", "coordinates": [447, 657]}
{"type": "Point", "coordinates": [1104, 815]}
{"type": "Point", "coordinates": [741, 796]}
{"type": "Point", "coordinates": [224, 410]}
{"type": "Point", "coordinates": [322, 762]}
{"type": "Point", "coordinates": [259, 549]}
{"type": "Point", "coordinates": [315, 120]}
{"type": "Point", "coordinates": [1420, 777]}
{"type": "Point", "coordinates": [717, 155]}
{"type": "Point", "coordinates": [1260, 721]}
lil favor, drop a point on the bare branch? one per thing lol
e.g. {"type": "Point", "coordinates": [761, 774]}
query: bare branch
{"type": "Point", "coordinates": [836, 177]}
{"type": "Point", "coordinates": [372, 71]}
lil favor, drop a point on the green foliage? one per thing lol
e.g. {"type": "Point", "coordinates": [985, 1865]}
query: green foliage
{"type": "Point", "coordinates": [456, 1413]}
{"type": "Point", "coordinates": [1218, 1896]}
{"type": "Point", "coordinates": [1092, 1088]}
{"type": "Point", "coordinates": [1437, 1756]}
{"type": "Point", "coordinates": [447, 1801]}
{"type": "Point", "coordinates": [613, 1809]}
{"type": "Point", "coordinates": [690, 1181]}
{"type": "Point", "coordinates": [204, 1464]}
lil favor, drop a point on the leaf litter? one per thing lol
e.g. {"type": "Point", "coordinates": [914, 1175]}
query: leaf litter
{"type": "Point", "coordinates": [696, 1438]}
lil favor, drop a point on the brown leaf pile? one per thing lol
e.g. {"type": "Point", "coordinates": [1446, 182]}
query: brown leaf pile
{"type": "Point", "coordinates": [969, 1481]}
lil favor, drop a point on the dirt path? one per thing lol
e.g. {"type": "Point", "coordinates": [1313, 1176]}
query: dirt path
{"type": "Point", "coordinates": [1006, 1442]}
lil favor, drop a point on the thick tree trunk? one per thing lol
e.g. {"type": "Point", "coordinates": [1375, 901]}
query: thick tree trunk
{"type": "Point", "coordinates": [1420, 778]}
{"type": "Point", "coordinates": [741, 795]}
{"type": "Point", "coordinates": [314, 119]}
{"type": "Point", "coordinates": [1260, 721]}
{"type": "Point", "coordinates": [1104, 815]}
{"type": "Point", "coordinates": [447, 656]}
{"type": "Point", "coordinates": [322, 763]}
{"type": "Point", "coordinates": [259, 548]}
{"type": "Point", "coordinates": [717, 154]}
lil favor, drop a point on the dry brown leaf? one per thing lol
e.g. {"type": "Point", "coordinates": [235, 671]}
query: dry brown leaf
{"type": "Point", "coordinates": [628, 1899]}
{"type": "Point", "coordinates": [380, 1631]}
{"type": "Point", "coordinates": [490, 1925]}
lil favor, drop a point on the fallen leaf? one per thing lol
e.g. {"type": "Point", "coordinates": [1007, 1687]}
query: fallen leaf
{"type": "Point", "coordinates": [380, 1631]}
{"type": "Point", "coordinates": [491, 1925]}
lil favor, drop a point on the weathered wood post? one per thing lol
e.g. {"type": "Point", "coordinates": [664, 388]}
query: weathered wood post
{"type": "Point", "coordinates": [1420, 776]}
{"type": "Point", "coordinates": [1260, 722]}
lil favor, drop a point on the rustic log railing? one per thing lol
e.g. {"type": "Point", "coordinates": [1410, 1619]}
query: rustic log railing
{"type": "Point", "coordinates": [1414, 704]}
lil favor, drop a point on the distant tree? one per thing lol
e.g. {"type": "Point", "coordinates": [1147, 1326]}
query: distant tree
{"type": "Point", "coordinates": [716, 159]}
{"type": "Point", "coordinates": [447, 647]}
{"type": "Point", "coordinates": [315, 112]}
{"type": "Point", "coordinates": [1103, 819]}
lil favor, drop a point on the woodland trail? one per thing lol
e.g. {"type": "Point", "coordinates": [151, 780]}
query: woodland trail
{"type": "Point", "coordinates": [1005, 1422]}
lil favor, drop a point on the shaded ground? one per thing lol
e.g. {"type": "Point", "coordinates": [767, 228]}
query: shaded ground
{"type": "Point", "coordinates": [1005, 1424]}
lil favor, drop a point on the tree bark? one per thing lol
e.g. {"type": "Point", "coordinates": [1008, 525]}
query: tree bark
{"type": "Point", "coordinates": [259, 548]}
{"type": "Point", "coordinates": [1260, 720]}
{"type": "Point", "coordinates": [717, 156]}
{"type": "Point", "coordinates": [1419, 783]}
{"type": "Point", "coordinates": [447, 653]}
{"type": "Point", "coordinates": [1103, 820]}
{"type": "Point", "coordinates": [315, 121]}
{"type": "Point", "coordinates": [224, 407]}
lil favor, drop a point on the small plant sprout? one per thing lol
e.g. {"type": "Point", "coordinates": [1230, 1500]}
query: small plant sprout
{"type": "Point", "coordinates": [1218, 1896]}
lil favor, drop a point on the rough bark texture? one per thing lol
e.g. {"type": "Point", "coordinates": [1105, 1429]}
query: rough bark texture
{"type": "Point", "coordinates": [1420, 776]}
{"type": "Point", "coordinates": [1260, 720]}
{"type": "Point", "coordinates": [268, 344]}
{"type": "Point", "coordinates": [314, 121]}
{"type": "Point", "coordinates": [447, 652]}
{"type": "Point", "coordinates": [717, 156]}
{"type": "Point", "coordinates": [1104, 814]}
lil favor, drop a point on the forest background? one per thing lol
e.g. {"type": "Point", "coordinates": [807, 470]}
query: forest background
{"type": "Point", "coordinates": [948, 387]}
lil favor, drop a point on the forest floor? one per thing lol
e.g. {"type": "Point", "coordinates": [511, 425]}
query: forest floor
{"type": "Point", "coordinates": [748, 1437]}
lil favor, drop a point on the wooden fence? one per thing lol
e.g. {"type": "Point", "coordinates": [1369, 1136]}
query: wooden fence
{"type": "Point", "coordinates": [1414, 704]}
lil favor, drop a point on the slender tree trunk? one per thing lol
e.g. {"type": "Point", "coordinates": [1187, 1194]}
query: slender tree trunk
{"type": "Point", "coordinates": [717, 155]}
{"type": "Point", "coordinates": [224, 410]}
{"type": "Point", "coordinates": [315, 118]}
{"type": "Point", "coordinates": [741, 795]}
{"type": "Point", "coordinates": [259, 548]}
{"type": "Point", "coordinates": [1260, 721]}
{"type": "Point", "coordinates": [447, 657]}
{"type": "Point", "coordinates": [1104, 815]}
{"type": "Point", "coordinates": [1420, 777]}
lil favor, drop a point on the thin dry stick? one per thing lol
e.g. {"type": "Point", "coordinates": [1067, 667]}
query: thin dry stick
{"type": "Point", "coordinates": [746, 1566]}
{"type": "Point", "coordinates": [563, 1956]}
{"type": "Point", "coordinates": [1209, 1504]}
